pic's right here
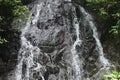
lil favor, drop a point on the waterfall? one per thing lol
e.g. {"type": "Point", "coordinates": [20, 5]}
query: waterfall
{"type": "Point", "coordinates": [89, 20]}
{"type": "Point", "coordinates": [76, 62]}
{"type": "Point", "coordinates": [104, 63]}
{"type": "Point", "coordinates": [27, 63]}
{"type": "Point", "coordinates": [50, 37]}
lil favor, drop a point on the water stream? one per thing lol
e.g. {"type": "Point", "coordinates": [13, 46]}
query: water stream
{"type": "Point", "coordinates": [27, 64]}
{"type": "Point", "coordinates": [89, 20]}
{"type": "Point", "coordinates": [77, 62]}
{"type": "Point", "coordinates": [29, 68]}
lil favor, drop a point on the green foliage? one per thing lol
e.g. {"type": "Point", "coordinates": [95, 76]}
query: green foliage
{"type": "Point", "coordinates": [17, 12]}
{"type": "Point", "coordinates": [115, 30]}
{"type": "Point", "coordinates": [2, 40]}
{"type": "Point", "coordinates": [109, 10]}
{"type": "Point", "coordinates": [106, 8]}
{"type": "Point", "coordinates": [11, 11]}
{"type": "Point", "coordinates": [114, 75]}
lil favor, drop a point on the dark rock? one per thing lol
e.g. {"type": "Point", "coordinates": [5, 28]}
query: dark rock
{"type": "Point", "coordinates": [80, 2]}
{"type": "Point", "coordinates": [47, 49]}
{"type": "Point", "coordinates": [25, 2]}
{"type": "Point", "coordinates": [9, 51]}
{"type": "Point", "coordinates": [112, 51]}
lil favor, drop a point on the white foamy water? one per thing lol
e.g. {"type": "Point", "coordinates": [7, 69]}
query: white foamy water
{"type": "Point", "coordinates": [76, 61]}
{"type": "Point", "coordinates": [26, 53]}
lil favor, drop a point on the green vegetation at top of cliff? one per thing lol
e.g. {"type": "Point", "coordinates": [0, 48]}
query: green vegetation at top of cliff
{"type": "Point", "coordinates": [11, 10]}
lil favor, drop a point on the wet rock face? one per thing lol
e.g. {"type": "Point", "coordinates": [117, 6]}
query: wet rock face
{"type": "Point", "coordinates": [49, 32]}
{"type": "Point", "coordinates": [9, 51]}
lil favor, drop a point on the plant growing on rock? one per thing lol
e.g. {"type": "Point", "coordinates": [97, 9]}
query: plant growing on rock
{"type": "Point", "coordinates": [114, 75]}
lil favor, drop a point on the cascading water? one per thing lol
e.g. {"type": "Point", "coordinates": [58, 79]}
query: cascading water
{"type": "Point", "coordinates": [76, 62]}
{"type": "Point", "coordinates": [46, 36]}
{"type": "Point", "coordinates": [104, 63]}
{"type": "Point", "coordinates": [89, 20]}
{"type": "Point", "coordinates": [27, 63]}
